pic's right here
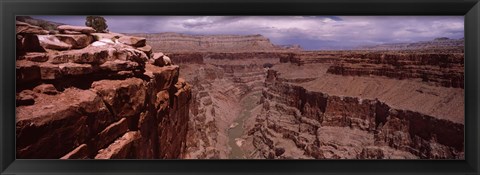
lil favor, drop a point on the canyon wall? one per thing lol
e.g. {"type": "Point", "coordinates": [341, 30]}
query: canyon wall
{"type": "Point", "coordinates": [176, 42]}
{"type": "Point", "coordinates": [440, 69]}
{"type": "Point", "coordinates": [438, 45]}
{"type": "Point", "coordinates": [315, 114]}
{"type": "Point", "coordinates": [85, 95]}
{"type": "Point", "coordinates": [217, 89]}
{"type": "Point", "coordinates": [204, 57]}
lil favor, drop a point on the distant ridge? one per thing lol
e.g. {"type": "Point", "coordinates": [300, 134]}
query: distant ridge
{"type": "Point", "coordinates": [436, 44]}
{"type": "Point", "coordinates": [178, 42]}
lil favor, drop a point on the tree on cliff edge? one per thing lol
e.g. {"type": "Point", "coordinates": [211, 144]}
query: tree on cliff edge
{"type": "Point", "coordinates": [98, 23]}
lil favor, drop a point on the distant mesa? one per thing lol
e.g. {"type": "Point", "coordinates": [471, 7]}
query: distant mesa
{"type": "Point", "coordinates": [441, 39]}
{"type": "Point", "coordinates": [438, 44]}
{"type": "Point", "coordinates": [178, 42]}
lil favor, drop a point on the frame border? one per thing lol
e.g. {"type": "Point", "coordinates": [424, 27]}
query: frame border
{"type": "Point", "coordinates": [469, 8]}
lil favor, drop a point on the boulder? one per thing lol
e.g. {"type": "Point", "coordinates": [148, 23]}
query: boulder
{"type": "Point", "coordinates": [132, 41]}
{"type": "Point", "coordinates": [147, 49]}
{"type": "Point", "coordinates": [31, 43]}
{"type": "Point", "coordinates": [77, 41]}
{"type": "Point", "coordinates": [81, 29]}
{"type": "Point", "coordinates": [26, 97]}
{"type": "Point", "coordinates": [167, 61]}
{"type": "Point", "coordinates": [52, 42]}
{"type": "Point", "coordinates": [157, 59]}
{"type": "Point", "coordinates": [48, 89]}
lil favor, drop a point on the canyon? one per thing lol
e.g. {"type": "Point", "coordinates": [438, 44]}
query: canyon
{"type": "Point", "coordinates": [282, 104]}
{"type": "Point", "coordinates": [233, 97]}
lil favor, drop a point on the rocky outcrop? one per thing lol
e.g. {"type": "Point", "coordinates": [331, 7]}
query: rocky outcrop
{"type": "Point", "coordinates": [314, 124]}
{"type": "Point", "coordinates": [97, 101]}
{"type": "Point", "coordinates": [176, 42]}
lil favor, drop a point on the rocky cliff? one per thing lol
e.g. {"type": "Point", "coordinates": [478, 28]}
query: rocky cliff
{"type": "Point", "coordinates": [218, 88]}
{"type": "Point", "coordinates": [82, 94]}
{"type": "Point", "coordinates": [314, 114]}
{"type": "Point", "coordinates": [441, 69]}
{"type": "Point", "coordinates": [176, 42]}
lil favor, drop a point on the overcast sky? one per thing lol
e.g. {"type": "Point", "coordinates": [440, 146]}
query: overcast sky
{"type": "Point", "coordinates": [311, 32]}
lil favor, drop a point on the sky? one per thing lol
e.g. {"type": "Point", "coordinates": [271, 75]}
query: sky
{"type": "Point", "coordinates": [311, 32]}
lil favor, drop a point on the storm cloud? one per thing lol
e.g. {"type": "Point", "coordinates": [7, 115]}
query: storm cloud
{"type": "Point", "coordinates": [311, 32]}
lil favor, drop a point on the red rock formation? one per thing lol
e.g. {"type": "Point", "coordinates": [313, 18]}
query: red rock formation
{"type": "Point", "coordinates": [98, 101]}
{"type": "Point", "coordinates": [440, 69]}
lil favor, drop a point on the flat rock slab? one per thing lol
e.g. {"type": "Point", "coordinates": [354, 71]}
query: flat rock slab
{"type": "Point", "coordinates": [54, 119]}
{"type": "Point", "coordinates": [133, 41]}
{"type": "Point", "coordinates": [52, 42]}
{"type": "Point", "coordinates": [80, 29]}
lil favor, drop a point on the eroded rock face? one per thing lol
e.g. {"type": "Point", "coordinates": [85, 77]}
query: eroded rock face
{"type": "Point", "coordinates": [218, 88]}
{"type": "Point", "coordinates": [440, 69]}
{"type": "Point", "coordinates": [325, 126]}
{"type": "Point", "coordinates": [102, 102]}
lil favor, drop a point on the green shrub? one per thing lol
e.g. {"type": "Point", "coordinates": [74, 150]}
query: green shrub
{"type": "Point", "coordinates": [98, 23]}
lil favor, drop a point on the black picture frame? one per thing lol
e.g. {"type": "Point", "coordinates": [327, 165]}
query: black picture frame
{"type": "Point", "coordinates": [469, 8]}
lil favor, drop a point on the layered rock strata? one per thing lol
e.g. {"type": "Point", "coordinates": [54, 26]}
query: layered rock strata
{"type": "Point", "coordinates": [438, 45]}
{"type": "Point", "coordinates": [85, 95]}
{"type": "Point", "coordinates": [301, 119]}
{"type": "Point", "coordinates": [176, 42]}
{"type": "Point", "coordinates": [441, 69]}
